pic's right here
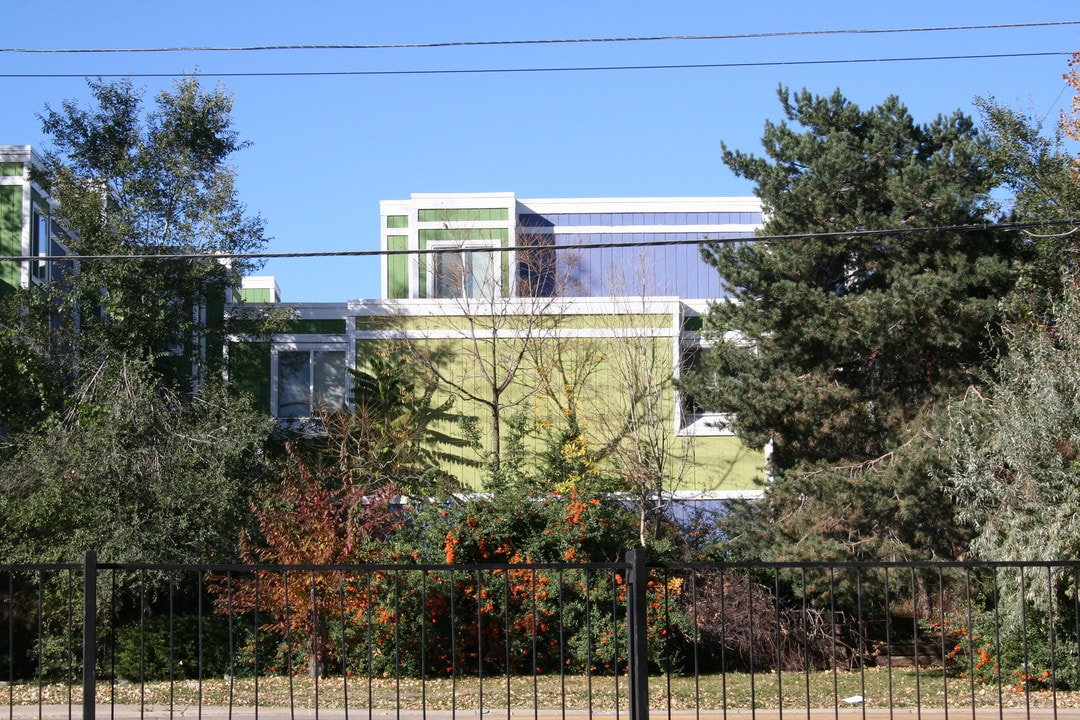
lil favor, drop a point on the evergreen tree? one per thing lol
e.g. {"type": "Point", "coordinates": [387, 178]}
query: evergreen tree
{"type": "Point", "coordinates": [1045, 184]}
{"type": "Point", "coordinates": [841, 348]}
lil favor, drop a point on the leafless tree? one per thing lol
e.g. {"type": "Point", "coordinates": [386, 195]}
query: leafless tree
{"type": "Point", "coordinates": [638, 420]}
{"type": "Point", "coordinates": [498, 306]}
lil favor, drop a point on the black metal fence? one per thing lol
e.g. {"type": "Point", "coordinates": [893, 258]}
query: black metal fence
{"type": "Point", "coordinates": [622, 639]}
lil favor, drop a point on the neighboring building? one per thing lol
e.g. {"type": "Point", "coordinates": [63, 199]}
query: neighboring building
{"type": "Point", "coordinates": [608, 235]}
{"type": "Point", "coordinates": [259, 289]}
{"type": "Point", "coordinates": [28, 228]}
{"type": "Point", "coordinates": [615, 288]}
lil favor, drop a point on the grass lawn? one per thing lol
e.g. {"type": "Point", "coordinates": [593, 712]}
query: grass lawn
{"type": "Point", "coordinates": [734, 691]}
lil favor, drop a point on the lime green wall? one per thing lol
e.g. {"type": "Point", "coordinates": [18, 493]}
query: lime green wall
{"type": "Point", "coordinates": [712, 462]}
{"type": "Point", "coordinates": [584, 351]}
{"type": "Point", "coordinates": [257, 295]}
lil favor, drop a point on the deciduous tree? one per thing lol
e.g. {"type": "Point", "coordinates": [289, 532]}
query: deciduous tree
{"type": "Point", "coordinates": [1015, 445]}
{"type": "Point", "coordinates": [136, 181]}
{"type": "Point", "coordinates": [137, 473]}
{"type": "Point", "coordinates": [499, 315]}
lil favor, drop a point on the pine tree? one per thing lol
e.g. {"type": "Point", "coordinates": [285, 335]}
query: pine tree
{"type": "Point", "coordinates": [839, 347]}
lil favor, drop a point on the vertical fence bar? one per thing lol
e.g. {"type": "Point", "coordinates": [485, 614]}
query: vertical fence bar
{"type": "Point", "coordinates": [637, 631]}
{"type": "Point", "coordinates": [11, 643]}
{"type": "Point", "coordinates": [89, 703]}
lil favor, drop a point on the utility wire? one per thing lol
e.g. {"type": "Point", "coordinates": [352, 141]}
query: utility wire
{"type": "Point", "coordinates": [557, 41]}
{"type": "Point", "coordinates": [1008, 227]}
{"type": "Point", "coordinates": [592, 68]}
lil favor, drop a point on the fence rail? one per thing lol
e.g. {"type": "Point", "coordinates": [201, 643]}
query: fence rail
{"type": "Point", "coordinates": [621, 639]}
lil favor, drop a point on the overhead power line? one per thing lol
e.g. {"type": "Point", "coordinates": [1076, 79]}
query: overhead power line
{"type": "Point", "coordinates": [893, 232]}
{"type": "Point", "coordinates": [589, 68]}
{"type": "Point", "coordinates": [554, 41]}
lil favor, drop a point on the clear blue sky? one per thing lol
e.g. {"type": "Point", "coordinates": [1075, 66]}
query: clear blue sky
{"type": "Point", "coordinates": [326, 149]}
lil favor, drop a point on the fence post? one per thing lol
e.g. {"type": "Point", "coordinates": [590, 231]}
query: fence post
{"type": "Point", "coordinates": [638, 631]}
{"type": "Point", "coordinates": [89, 703]}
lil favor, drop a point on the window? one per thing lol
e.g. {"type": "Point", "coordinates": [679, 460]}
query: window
{"type": "Point", "coordinates": [39, 244]}
{"type": "Point", "coordinates": [693, 420]}
{"type": "Point", "coordinates": [309, 380]}
{"type": "Point", "coordinates": [459, 272]}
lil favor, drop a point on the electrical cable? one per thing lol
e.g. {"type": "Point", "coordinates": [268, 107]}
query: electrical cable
{"type": "Point", "coordinates": [555, 41]}
{"type": "Point", "coordinates": [494, 71]}
{"type": "Point", "coordinates": [1006, 227]}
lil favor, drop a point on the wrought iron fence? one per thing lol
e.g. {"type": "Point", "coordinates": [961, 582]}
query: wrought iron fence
{"type": "Point", "coordinates": [621, 639]}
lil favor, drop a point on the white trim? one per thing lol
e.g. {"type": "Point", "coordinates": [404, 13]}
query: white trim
{"type": "Point", "coordinates": [685, 495]}
{"type": "Point", "coordinates": [704, 230]}
{"type": "Point", "coordinates": [430, 307]}
{"type": "Point", "coordinates": [457, 200]}
{"type": "Point", "coordinates": [706, 424]}
{"type": "Point", "coordinates": [743, 203]}
{"type": "Point", "coordinates": [510, 333]}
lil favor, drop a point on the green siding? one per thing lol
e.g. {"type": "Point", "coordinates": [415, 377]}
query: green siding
{"type": "Point", "coordinates": [462, 235]}
{"type": "Point", "coordinates": [315, 327]}
{"type": "Point", "coordinates": [397, 221]}
{"type": "Point", "coordinates": [723, 463]}
{"type": "Point", "coordinates": [249, 373]}
{"type": "Point", "coordinates": [397, 267]}
{"type": "Point", "coordinates": [10, 233]}
{"type": "Point", "coordinates": [257, 295]}
{"type": "Point", "coordinates": [464, 215]}
{"type": "Point", "coordinates": [715, 462]}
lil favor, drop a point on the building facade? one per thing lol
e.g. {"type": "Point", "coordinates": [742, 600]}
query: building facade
{"type": "Point", "coordinates": [28, 227]}
{"type": "Point", "coordinates": [534, 306]}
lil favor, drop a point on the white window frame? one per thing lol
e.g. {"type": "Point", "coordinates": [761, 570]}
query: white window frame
{"type": "Point", "coordinates": [493, 252]}
{"type": "Point", "coordinates": [309, 347]}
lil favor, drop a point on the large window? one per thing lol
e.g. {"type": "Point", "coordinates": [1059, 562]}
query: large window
{"type": "Point", "coordinates": [457, 271]}
{"type": "Point", "coordinates": [310, 380]}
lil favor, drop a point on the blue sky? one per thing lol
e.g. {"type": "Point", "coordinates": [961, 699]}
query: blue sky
{"type": "Point", "coordinates": [326, 149]}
